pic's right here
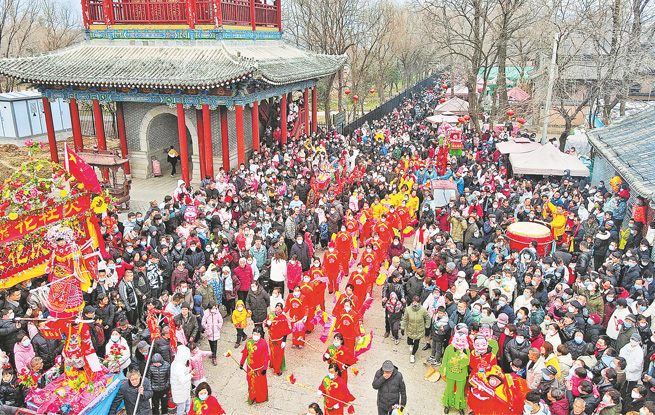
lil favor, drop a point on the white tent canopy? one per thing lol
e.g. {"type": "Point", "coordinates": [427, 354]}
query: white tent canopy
{"type": "Point", "coordinates": [454, 105]}
{"type": "Point", "coordinates": [547, 160]}
{"type": "Point", "coordinates": [445, 117]}
{"type": "Point", "coordinates": [517, 146]}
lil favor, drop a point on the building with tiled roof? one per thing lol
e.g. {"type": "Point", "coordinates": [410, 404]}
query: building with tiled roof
{"type": "Point", "coordinates": [207, 69]}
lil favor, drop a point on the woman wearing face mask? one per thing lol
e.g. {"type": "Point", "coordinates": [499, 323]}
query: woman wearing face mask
{"type": "Point", "coordinates": [314, 409]}
{"type": "Point", "coordinates": [335, 392]}
{"type": "Point", "coordinates": [279, 327]}
{"type": "Point", "coordinates": [118, 352]}
{"type": "Point", "coordinates": [296, 309]}
{"type": "Point", "coordinates": [415, 320]}
{"type": "Point", "coordinates": [610, 404]}
{"type": "Point", "coordinates": [634, 357]}
{"type": "Point", "coordinates": [255, 356]}
{"type": "Point", "coordinates": [23, 352]}
{"type": "Point", "coordinates": [348, 323]}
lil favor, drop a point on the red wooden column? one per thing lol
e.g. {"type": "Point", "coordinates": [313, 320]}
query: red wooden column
{"type": "Point", "coordinates": [278, 10]}
{"type": "Point", "coordinates": [184, 151]}
{"type": "Point", "coordinates": [252, 15]}
{"type": "Point", "coordinates": [120, 120]}
{"type": "Point", "coordinates": [225, 139]}
{"type": "Point", "coordinates": [306, 110]}
{"type": "Point", "coordinates": [50, 126]}
{"type": "Point", "coordinates": [314, 110]}
{"type": "Point", "coordinates": [241, 145]}
{"type": "Point", "coordinates": [100, 125]}
{"type": "Point", "coordinates": [255, 125]}
{"type": "Point", "coordinates": [201, 144]}
{"type": "Point", "coordinates": [75, 124]}
{"type": "Point", "coordinates": [209, 148]}
{"type": "Point", "coordinates": [283, 118]}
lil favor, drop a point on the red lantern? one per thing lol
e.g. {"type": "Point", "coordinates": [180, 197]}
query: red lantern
{"type": "Point", "coordinates": [442, 100]}
{"type": "Point", "coordinates": [372, 91]}
{"type": "Point", "coordinates": [467, 117]}
{"type": "Point", "coordinates": [444, 86]}
{"type": "Point", "coordinates": [510, 113]}
{"type": "Point", "coordinates": [461, 120]}
{"type": "Point", "coordinates": [347, 91]}
{"type": "Point", "coordinates": [356, 97]}
{"type": "Point", "coordinates": [521, 121]}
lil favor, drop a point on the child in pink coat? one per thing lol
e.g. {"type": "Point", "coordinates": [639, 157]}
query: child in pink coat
{"type": "Point", "coordinates": [195, 363]}
{"type": "Point", "coordinates": [294, 272]}
{"type": "Point", "coordinates": [212, 322]}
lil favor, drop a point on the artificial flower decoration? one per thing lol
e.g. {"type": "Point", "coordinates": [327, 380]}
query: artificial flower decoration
{"type": "Point", "coordinates": [228, 353]}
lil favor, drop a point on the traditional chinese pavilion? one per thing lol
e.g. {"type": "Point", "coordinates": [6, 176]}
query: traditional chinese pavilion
{"type": "Point", "coordinates": [200, 75]}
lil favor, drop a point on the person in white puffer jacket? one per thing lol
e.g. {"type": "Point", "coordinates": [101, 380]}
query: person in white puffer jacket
{"type": "Point", "coordinates": [181, 380]}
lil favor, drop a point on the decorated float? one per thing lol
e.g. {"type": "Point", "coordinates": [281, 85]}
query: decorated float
{"type": "Point", "coordinates": [49, 226]}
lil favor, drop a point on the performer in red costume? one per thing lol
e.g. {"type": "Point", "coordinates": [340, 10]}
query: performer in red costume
{"type": "Point", "coordinates": [256, 356]}
{"type": "Point", "coordinates": [482, 355]}
{"type": "Point", "coordinates": [405, 218]}
{"type": "Point", "coordinates": [393, 218]}
{"type": "Point", "coordinates": [339, 354]}
{"type": "Point", "coordinates": [348, 324]}
{"type": "Point", "coordinates": [359, 281]}
{"type": "Point", "coordinates": [379, 249]}
{"type": "Point", "coordinates": [204, 403]}
{"type": "Point", "coordinates": [279, 327]}
{"type": "Point", "coordinates": [331, 267]}
{"type": "Point", "coordinates": [335, 392]}
{"type": "Point", "coordinates": [386, 234]}
{"type": "Point", "coordinates": [365, 231]}
{"type": "Point", "coordinates": [67, 270]}
{"type": "Point", "coordinates": [344, 248]}
{"type": "Point", "coordinates": [353, 229]}
{"type": "Point", "coordinates": [297, 312]}
{"type": "Point", "coordinates": [348, 295]}
{"type": "Point", "coordinates": [317, 277]}
{"type": "Point", "coordinates": [492, 391]}
{"type": "Point", "coordinates": [309, 300]}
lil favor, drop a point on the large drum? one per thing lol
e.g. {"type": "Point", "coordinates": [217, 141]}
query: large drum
{"type": "Point", "coordinates": [520, 234]}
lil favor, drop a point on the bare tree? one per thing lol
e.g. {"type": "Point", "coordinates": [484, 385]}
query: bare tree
{"type": "Point", "coordinates": [17, 19]}
{"type": "Point", "coordinates": [463, 29]}
{"type": "Point", "coordinates": [61, 26]}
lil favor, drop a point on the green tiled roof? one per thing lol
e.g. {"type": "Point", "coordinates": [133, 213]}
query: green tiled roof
{"type": "Point", "coordinates": [170, 64]}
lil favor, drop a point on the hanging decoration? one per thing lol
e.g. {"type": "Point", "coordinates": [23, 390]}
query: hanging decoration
{"type": "Point", "coordinates": [510, 113]}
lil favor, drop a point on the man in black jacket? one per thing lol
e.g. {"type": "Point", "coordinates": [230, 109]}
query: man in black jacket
{"type": "Point", "coordinates": [390, 385]}
{"type": "Point", "coordinates": [128, 392]}
{"type": "Point", "coordinates": [46, 349]}
{"type": "Point", "coordinates": [8, 332]}
{"type": "Point", "coordinates": [159, 373]}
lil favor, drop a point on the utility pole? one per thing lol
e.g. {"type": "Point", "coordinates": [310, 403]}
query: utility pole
{"type": "Point", "coordinates": [549, 92]}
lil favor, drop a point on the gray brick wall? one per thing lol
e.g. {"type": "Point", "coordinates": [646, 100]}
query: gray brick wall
{"type": "Point", "coordinates": [134, 113]}
{"type": "Point", "coordinates": [163, 132]}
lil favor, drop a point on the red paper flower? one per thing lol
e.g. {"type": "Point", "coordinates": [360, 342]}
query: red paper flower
{"type": "Point", "coordinates": [291, 378]}
{"type": "Point", "coordinates": [228, 353]}
{"type": "Point", "coordinates": [351, 409]}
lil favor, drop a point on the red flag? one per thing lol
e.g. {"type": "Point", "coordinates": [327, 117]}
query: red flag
{"type": "Point", "coordinates": [81, 170]}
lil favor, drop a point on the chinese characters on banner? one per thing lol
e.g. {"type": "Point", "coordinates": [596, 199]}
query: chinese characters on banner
{"type": "Point", "coordinates": [29, 248]}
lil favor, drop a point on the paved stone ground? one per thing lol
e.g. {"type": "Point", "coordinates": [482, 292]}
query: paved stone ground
{"type": "Point", "coordinates": [229, 383]}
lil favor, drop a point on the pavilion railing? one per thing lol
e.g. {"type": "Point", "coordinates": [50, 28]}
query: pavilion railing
{"type": "Point", "coordinates": [266, 13]}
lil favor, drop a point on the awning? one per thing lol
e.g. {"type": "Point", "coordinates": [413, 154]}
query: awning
{"type": "Point", "coordinates": [516, 146]}
{"type": "Point", "coordinates": [438, 119]}
{"type": "Point", "coordinates": [517, 94]}
{"type": "Point", "coordinates": [547, 161]}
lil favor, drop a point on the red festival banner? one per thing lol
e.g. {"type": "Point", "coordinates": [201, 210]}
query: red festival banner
{"type": "Point", "coordinates": [25, 251]}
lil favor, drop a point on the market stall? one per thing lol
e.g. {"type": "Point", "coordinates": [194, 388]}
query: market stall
{"type": "Point", "coordinates": [547, 160]}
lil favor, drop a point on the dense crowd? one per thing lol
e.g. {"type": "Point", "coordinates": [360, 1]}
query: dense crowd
{"type": "Point", "coordinates": [251, 244]}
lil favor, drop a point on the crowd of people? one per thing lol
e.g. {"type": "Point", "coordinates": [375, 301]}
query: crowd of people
{"type": "Point", "coordinates": [266, 246]}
